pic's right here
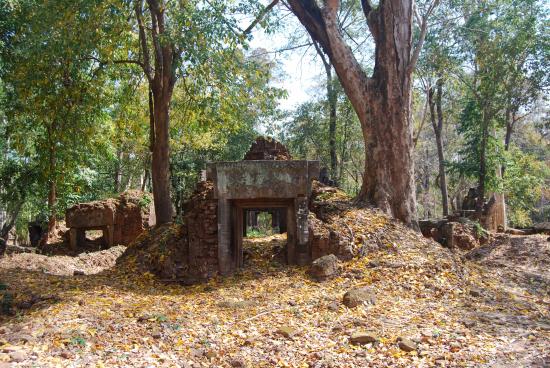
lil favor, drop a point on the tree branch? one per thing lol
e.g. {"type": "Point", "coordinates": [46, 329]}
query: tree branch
{"type": "Point", "coordinates": [423, 30]}
{"type": "Point", "coordinates": [155, 31]}
{"type": "Point", "coordinates": [138, 6]}
{"type": "Point", "coordinates": [260, 16]}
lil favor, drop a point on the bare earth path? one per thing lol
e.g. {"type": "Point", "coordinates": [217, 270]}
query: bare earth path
{"type": "Point", "coordinates": [489, 310]}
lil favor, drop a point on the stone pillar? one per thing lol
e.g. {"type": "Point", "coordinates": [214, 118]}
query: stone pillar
{"type": "Point", "coordinates": [76, 236]}
{"type": "Point", "coordinates": [302, 231]}
{"type": "Point", "coordinates": [291, 237]}
{"type": "Point", "coordinates": [108, 235]}
{"type": "Point", "coordinates": [224, 236]}
{"type": "Point", "coordinates": [245, 222]}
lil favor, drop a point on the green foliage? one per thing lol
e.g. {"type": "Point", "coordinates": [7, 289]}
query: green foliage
{"type": "Point", "coordinates": [306, 134]}
{"type": "Point", "coordinates": [524, 180]}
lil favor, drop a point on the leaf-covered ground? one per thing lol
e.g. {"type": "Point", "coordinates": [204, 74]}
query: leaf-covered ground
{"type": "Point", "coordinates": [490, 308]}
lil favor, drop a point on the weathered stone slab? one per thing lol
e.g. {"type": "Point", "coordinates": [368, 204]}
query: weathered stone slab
{"type": "Point", "coordinates": [262, 179]}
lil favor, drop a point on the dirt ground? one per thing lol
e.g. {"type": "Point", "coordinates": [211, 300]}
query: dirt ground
{"type": "Point", "coordinates": [486, 308]}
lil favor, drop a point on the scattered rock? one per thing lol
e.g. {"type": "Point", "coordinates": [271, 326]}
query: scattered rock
{"type": "Point", "coordinates": [237, 363]}
{"type": "Point", "coordinates": [359, 296]}
{"type": "Point", "coordinates": [21, 337]}
{"type": "Point", "coordinates": [236, 304]}
{"type": "Point", "coordinates": [325, 267]}
{"type": "Point", "coordinates": [287, 331]}
{"type": "Point", "coordinates": [333, 306]}
{"type": "Point", "coordinates": [406, 344]}
{"type": "Point", "coordinates": [210, 354]}
{"type": "Point", "coordinates": [363, 337]}
{"type": "Point", "coordinates": [66, 355]}
{"type": "Point", "coordinates": [156, 334]}
{"type": "Point", "coordinates": [455, 346]}
{"type": "Point", "coordinates": [198, 353]}
{"type": "Point", "coordinates": [475, 292]}
{"type": "Point", "coordinates": [18, 356]}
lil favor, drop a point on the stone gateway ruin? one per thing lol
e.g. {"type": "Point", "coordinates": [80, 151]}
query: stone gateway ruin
{"type": "Point", "coordinates": [273, 186]}
{"type": "Point", "coordinates": [209, 239]}
{"type": "Point", "coordinates": [120, 219]}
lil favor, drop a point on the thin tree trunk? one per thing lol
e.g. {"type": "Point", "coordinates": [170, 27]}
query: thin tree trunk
{"type": "Point", "coordinates": [52, 192]}
{"type": "Point", "coordinates": [482, 165]}
{"type": "Point", "coordinates": [438, 130]}
{"type": "Point", "coordinates": [331, 96]}
{"type": "Point", "coordinates": [331, 103]}
{"type": "Point", "coordinates": [426, 185]}
{"type": "Point", "coordinates": [118, 170]}
{"type": "Point", "coordinates": [146, 174]}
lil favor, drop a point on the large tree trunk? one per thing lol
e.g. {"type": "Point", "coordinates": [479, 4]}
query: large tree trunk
{"type": "Point", "coordinates": [438, 130]}
{"type": "Point", "coordinates": [382, 102]}
{"type": "Point", "coordinates": [159, 68]}
{"type": "Point", "coordinates": [160, 163]}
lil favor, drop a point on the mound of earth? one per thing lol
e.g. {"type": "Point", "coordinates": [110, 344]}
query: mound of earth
{"type": "Point", "coordinates": [84, 263]}
{"type": "Point", "coordinates": [184, 252]}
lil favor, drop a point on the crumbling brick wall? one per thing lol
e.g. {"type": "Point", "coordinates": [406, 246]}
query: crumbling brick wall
{"type": "Point", "coordinates": [201, 227]}
{"type": "Point", "coordinates": [122, 219]}
{"type": "Point", "coordinates": [327, 236]}
{"type": "Point", "coordinates": [267, 149]}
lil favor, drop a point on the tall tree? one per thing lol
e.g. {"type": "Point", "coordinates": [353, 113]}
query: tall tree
{"type": "Point", "coordinates": [55, 92]}
{"type": "Point", "coordinates": [178, 40]}
{"type": "Point", "coordinates": [382, 101]}
{"type": "Point", "coordinates": [503, 43]}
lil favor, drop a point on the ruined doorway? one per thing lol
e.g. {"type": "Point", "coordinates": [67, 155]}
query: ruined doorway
{"type": "Point", "coordinates": [264, 221]}
{"type": "Point", "coordinates": [282, 218]}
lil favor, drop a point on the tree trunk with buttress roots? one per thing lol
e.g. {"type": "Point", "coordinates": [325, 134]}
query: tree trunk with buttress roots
{"type": "Point", "coordinates": [382, 102]}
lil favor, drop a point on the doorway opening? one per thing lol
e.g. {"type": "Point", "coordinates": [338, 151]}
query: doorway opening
{"type": "Point", "coordinates": [264, 231]}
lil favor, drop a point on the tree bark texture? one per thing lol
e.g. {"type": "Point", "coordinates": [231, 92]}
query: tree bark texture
{"type": "Point", "coordinates": [382, 102]}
